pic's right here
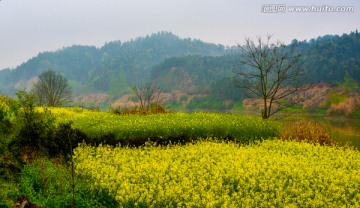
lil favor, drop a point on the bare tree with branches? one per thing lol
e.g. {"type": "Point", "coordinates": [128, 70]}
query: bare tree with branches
{"type": "Point", "coordinates": [271, 71]}
{"type": "Point", "coordinates": [52, 89]}
{"type": "Point", "coordinates": [147, 94]}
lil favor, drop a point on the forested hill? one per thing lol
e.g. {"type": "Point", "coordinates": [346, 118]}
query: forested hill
{"type": "Point", "coordinates": [326, 59]}
{"type": "Point", "coordinates": [111, 68]}
{"type": "Point", "coordinates": [329, 58]}
{"type": "Point", "coordinates": [176, 64]}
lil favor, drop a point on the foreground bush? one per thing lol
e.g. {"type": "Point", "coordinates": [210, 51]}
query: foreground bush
{"type": "Point", "coordinates": [8, 111]}
{"type": "Point", "coordinates": [48, 184]}
{"type": "Point", "coordinates": [209, 174]}
{"type": "Point", "coordinates": [36, 133]}
{"type": "Point", "coordinates": [307, 131]}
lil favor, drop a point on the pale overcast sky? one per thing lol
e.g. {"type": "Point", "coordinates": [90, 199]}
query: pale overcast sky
{"type": "Point", "coordinates": [28, 27]}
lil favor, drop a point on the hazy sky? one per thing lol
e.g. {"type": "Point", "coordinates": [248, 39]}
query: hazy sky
{"type": "Point", "coordinates": [28, 27]}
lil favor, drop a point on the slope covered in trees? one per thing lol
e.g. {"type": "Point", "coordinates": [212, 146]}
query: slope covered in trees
{"type": "Point", "coordinates": [110, 68]}
{"type": "Point", "coordinates": [187, 72]}
{"type": "Point", "coordinates": [331, 57]}
{"type": "Point", "coordinates": [326, 59]}
{"type": "Point", "coordinates": [176, 64]}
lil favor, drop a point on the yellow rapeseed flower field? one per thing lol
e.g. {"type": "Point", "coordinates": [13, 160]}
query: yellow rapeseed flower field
{"type": "Point", "coordinates": [271, 173]}
{"type": "Point", "coordinates": [168, 125]}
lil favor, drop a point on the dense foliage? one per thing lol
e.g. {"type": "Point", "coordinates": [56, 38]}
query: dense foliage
{"type": "Point", "coordinates": [212, 174]}
{"type": "Point", "coordinates": [48, 184]}
{"type": "Point", "coordinates": [331, 57]}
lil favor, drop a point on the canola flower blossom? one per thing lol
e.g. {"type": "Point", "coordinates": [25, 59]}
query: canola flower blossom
{"type": "Point", "coordinates": [208, 173]}
{"type": "Point", "coordinates": [7, 110]}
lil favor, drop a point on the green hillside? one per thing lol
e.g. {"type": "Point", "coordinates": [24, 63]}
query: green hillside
{"type": "Point", "coordinates": [111, 68]}
{"type": "Point", "coordinates": [185, 65]}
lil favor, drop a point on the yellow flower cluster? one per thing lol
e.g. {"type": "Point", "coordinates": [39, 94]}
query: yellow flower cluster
{"type": "Point", "coordinates": [7, 111]}
{"type": "Point", "coordinates": [272, 173]}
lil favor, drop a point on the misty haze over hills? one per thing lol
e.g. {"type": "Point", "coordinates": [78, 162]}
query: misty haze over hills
{"type": "Point", "coordinates": [175, 64]}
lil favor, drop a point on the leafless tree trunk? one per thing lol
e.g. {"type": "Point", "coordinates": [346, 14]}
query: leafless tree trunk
{"type": "Point", "coordinates": [271, 71]}
{"type": "Point", "coordinates": [147, 94]}
{"type": "Point", "coordinates": [52, 89]}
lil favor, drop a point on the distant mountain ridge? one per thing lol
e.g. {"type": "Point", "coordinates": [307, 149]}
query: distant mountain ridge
{"type": "Point", "coordinates": [111, 68]}
{"type": "Point", "coordinates": [185, 65]}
